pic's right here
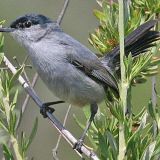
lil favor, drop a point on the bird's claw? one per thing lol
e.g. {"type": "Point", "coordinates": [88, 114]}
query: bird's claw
{"type": "Point", "coordinates": [78, 145]}
{"type": "Point", "coordinates": [44, 109]}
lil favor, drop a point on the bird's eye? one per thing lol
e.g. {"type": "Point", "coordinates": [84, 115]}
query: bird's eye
{"type": "Point", "coordinates": [28, 24]}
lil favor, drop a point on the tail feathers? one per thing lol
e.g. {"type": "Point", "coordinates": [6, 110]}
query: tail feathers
{"type": "Point", "coordinates": [137, 42]}
{"type": "Point", "coordinates": [143, 44]}
{"type": "Point", "coordinates": [140, 32]}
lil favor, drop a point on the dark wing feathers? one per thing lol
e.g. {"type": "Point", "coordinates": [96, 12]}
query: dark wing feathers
{"type": "Point", "coordinates": [105, 77]}
{"type": "Point", "coordinates": [95, 70]}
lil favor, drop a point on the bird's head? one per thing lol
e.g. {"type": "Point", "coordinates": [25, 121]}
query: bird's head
{"type": "Point", "coordinates": [30, 28]}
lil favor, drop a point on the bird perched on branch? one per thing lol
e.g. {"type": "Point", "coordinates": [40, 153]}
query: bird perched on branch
{"type": "Point", "coordinates": [69, 69]}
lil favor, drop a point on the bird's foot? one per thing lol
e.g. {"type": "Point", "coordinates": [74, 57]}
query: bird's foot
{"type": "Point", "coordinates": [77, 146]}
{"type": "Point", "coordinates": [45, 108]}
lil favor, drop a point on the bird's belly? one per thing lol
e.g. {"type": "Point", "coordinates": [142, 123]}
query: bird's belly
{"type": "Point", "coordinates": [73, 86]}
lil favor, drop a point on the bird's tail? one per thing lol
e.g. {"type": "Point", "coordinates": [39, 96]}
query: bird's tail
{"type": "Point", "coordinates": [137, 42]}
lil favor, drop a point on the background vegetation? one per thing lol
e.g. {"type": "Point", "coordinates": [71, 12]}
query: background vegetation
{"type": "Point", "coordinates": [136, 135]}
{"type": "Point", "coordinates": [141, 127]}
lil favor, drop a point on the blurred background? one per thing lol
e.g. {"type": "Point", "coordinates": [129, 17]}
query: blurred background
{"type": "Point", "coordinates": [78, 21]}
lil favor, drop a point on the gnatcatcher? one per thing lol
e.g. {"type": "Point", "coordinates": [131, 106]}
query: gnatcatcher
{"type": "Point", "coordinates": [69, 69]}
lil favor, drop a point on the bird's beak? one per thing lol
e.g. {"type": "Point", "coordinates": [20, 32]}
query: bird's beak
{"type": "Point", "coordinates": [7, 29]}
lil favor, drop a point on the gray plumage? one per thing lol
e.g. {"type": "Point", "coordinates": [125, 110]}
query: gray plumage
{"type": "Point", "coordinates": [69, 69]}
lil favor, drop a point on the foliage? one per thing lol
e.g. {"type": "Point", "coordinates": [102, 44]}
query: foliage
{"type": "Point", "coordinates": [10, 116]}
{"type": "Point", "coordinates": [141, 130]}
{"type": "Point", "coordinates": [106, 36]}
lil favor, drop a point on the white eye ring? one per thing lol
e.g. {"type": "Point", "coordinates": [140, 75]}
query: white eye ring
{"type": "Point", "coordinates": [28, 24]}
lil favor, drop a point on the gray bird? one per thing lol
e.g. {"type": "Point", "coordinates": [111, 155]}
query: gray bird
{"type": "Point", "coordinates": [69, 69]}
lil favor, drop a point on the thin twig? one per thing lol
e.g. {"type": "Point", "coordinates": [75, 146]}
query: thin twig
{"type": "Point", "coordinates": [57, 124]}
{"type": "Point", "coordinates": [5, 68]}
{"type": "Point", "coordinates": [54, 151]}
{"type": "Point", "coordinates": [35, 78]}
{"type": "Point", "coordinates": [123, 87]}
{"type": "Point", "coordinates": [60, 17]}
{"type": "Point", "coordinates": [154, 94]}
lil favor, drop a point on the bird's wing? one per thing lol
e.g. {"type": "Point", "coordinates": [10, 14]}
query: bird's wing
{"type": "Point", "coordinates": [86, 61]}
{"type": "Point", "coordinates": [94, 69]}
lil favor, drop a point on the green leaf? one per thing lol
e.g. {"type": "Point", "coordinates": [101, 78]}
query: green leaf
{"type": "Point", "coordinates": [12, 123]}
{"type": "Point", "coordinates": [151, 110]}
{"type": "Point", "coordinates": [2, 22]}
{"type": "Point", "coordinates": [102, 145]}
{"type": "Point", "coordinates": [3, 125]}
{"type": "Point", "coordinates": [7, 153]}
{"type": "Point", "coordinates": [33, 133]}
{"type": "Point", "coordinates": [1, 43]}
{"type": "Point", "coordinates": [143, 121]}
{"type": "Point", "coordinates": [19, 119]}
{"type": "Point", "coordinates": [100, 15]}
{"type": "Point", "coordinates": [112, 143]}
{"type": "Point", "coordinates": [14, 100]}
{"type": "Point", "coordinates": [23, 143]}
{"type": "Point", "coordinates": [147, 155]}
{"type": "Point", "coordinates": [15, 76]}
{"type": "Point", "coordinates": [1, 57]}
{"type": "Point", "coordinates": [139, 115]}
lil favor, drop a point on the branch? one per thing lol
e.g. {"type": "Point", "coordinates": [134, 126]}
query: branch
{"type": "Point", "coordinates": [154, 94]}
{"type": "Point", "coordinates": [54, 151]}
{"type": "Point", "coordinates": [57, 124]}
{"type": "Point", "coordinates": [15, 147]}
{"type": "Point", "coordinates": [60, 17]}
{"type": "Point", "coordinates": [35, 78]}
{"type": "Point", "coordinates": [123, 85]}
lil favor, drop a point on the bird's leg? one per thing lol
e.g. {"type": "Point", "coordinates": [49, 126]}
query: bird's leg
{"type": "Point", "coordinates": [45, 108]}
{"type": "Point", "coordinates": [79, 143]}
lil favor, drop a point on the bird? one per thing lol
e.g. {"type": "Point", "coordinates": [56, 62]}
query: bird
{"type": "Point", "coordinates": [69, 69]}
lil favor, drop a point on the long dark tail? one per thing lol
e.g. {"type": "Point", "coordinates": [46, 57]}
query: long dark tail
{"type": "Point", "coordinates": [137, 42]}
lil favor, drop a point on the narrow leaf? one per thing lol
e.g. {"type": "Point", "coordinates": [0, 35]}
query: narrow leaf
{"type": "Point", "coordinates": [147, 155]}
